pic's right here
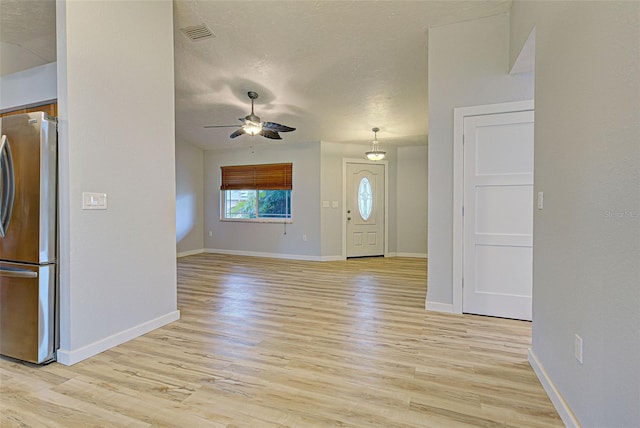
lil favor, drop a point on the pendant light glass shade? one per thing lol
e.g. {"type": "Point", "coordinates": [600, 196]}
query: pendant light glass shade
{"type": "Point", "coordinates": [252, 128]}
{"type": "Point", "coordinates": [375, 154]}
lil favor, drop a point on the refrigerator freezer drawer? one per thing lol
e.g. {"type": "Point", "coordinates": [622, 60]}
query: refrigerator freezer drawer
{"type": "Point", "coordinates": [27, 312]}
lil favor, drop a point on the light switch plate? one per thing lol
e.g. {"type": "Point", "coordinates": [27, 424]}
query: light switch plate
{"type": "Point", "coordinates": [577, 348]}
{"type": "Point", "coordinates": [94, 201]}
{"type": "Point", "coordinates": [540, 200]}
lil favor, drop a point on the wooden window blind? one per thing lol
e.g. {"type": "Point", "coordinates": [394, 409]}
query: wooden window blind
{"type": "Point", "coordinates": [274, 176]}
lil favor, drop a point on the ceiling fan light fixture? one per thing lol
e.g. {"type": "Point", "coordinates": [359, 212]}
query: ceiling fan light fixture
{"type": "Point", "coordinates": [252, 128]}
{"type": "Point", "coordinates": [252, 125]}
{"type": "Point", "coordinates": [375, 154]}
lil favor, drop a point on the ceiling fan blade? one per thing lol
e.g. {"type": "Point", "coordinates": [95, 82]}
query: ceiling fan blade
{"type": "Point", "coordinates": [277, 127]}
{"type": "Point", "coordinates": [237, 133]}
{"type": "Point", "coordinates": [242, 119]}
{"type": "Point", "coordinates": [270, 134]}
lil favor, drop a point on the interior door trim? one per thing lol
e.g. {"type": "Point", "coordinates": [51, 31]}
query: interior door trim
{"type": "Point", "coordinates": [458, 183]}
{"type": "Point", "coordinates": [346, 161]}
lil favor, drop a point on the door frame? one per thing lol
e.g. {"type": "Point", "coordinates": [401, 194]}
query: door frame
{"type": "Point", "coordinates": [458, 183]}
{"type": "Point", "coordinates": [384, 163]}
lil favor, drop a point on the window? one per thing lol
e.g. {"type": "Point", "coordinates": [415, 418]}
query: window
{"type": "Point", "coordinates": [256, 192]}
{"type": "Point", "coordinates": [257, 204]}
{"type": "Point", "coordinates": [365, 199]}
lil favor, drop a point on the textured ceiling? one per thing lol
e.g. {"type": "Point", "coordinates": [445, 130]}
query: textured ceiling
{"type": "Point", "coordinates": [27, 34]}
{"type": "Point", "coordinates": [331, 69]}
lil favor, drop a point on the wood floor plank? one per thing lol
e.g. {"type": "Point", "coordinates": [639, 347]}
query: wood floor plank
{"type": "Point", "coordinates": [283, 343]}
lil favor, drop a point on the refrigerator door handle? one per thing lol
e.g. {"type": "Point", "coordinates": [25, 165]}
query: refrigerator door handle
{"type": "Point", "coordinates": [7, 185]}
{"type": "Point", "coordinates": [18, 273]}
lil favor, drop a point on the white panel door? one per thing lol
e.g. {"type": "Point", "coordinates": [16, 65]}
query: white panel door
{"type": "Point", "coordinates": [498, 215]}
{"type": "Point", "coordinates": [365, 209]}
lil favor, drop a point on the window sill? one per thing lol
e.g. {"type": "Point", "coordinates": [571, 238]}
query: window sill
{"type": "Point", "coordinates": [257, 220]}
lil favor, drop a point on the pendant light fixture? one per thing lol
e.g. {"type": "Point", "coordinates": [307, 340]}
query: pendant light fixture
{"type": "Point", "coordinates": [375, 154]}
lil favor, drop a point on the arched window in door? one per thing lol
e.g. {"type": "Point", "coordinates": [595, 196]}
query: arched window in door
{"type": "Point", "coordinates": [365, 199]}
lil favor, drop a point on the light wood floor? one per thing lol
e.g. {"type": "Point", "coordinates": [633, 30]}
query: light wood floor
{"type": "Point", "coordinates": [274, 343]}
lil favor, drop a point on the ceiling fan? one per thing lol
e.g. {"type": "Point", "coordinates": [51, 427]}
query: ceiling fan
{"type": "Point", "coordinates": [253, 126]}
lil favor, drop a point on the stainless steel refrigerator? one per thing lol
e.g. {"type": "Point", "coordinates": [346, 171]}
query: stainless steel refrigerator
{"type": "Point", "coordinates": [28, 231]}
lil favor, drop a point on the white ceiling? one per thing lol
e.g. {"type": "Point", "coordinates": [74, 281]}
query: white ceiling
{"type": "Point", "coordinates": [331, 69]}
{"type": "Point", "coordinates": [27, 34]}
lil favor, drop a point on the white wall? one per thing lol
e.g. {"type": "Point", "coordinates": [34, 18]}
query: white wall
{"type": "Point", "coordinates": [115, 92]}
{"type": "Point", "coordinates": [189, 199]}
{"type": "Point", "coordinates": [317, 177]}
{"type": "Point", "coordinates": [412, 201]}
{"type": "Point", "coordinates": [587, 239]}
{"type": "Point", "coordinates": [267, 238]}
{"type": "Point", "coordinates": [468, 65]}
{"type": "Point", "coordinates": [32, 86]}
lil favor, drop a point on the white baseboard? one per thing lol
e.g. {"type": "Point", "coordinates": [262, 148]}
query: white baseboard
{"type": "Point", "coordinates": [412, 255]}
{"type": "Point", "coordinates": [269, 255]}
{"type": "Point", "coordinates": [563, 409]}
{"type": "Point", "coordinates": [332, 258]}
{"type": "Point", "coordinates": [70, 357]}
{"type": "Point", "coordinates": [440, 307]}
{"type": "Point", "coordinates": [289, 256]}
{"type": "Point", "coordinates": [189, 253]}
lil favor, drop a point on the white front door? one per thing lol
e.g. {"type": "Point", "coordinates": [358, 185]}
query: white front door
{"type": "Point", "coordinates": [365, 209]}
{"type": "Point", "coordinates": [498, 214]}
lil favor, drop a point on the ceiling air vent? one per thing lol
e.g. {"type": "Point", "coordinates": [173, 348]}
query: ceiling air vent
{"type": "Point", "coordinates": [197, 32]}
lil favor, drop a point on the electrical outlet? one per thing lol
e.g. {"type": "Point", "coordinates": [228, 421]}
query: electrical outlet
{"type": "Point", "coordinates": [210, 233]}
{"type": "Point", "coordinates": [304, 237]}
{"type": "Point", "coordinates": [577, 348]}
